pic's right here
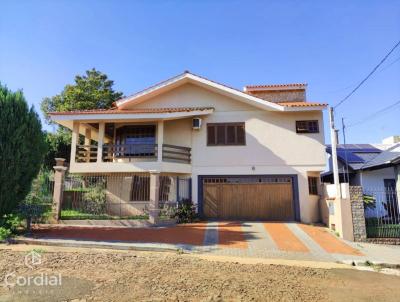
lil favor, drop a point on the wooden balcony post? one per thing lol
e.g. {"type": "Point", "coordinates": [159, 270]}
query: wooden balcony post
{"type": "Point", "coordinates": [100, 142]}
{"type": "Point", "coordinates": [154, 207]}
{"type": "Point", "coordinates": [75, 137]}
{"type": "Point", "coordinates": [160, 140]}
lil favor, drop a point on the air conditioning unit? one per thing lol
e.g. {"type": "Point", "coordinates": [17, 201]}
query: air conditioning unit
{"type": "Point", "coordinates": [196, 123]}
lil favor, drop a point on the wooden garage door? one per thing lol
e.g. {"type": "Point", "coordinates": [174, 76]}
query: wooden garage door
{"type": "Point", "coordinates": [248, 198]}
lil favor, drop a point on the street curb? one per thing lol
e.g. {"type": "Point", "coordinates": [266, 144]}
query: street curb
{"type": "Point", "coordinates": [369, 263]}
{"type": "Point", "coordinates": [97, 245]}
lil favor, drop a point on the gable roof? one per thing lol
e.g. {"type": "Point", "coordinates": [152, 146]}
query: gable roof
{"type": "Point", "coordinates": [239, 95]}
{"type": "Point", "coordinates": [367, 156]}
{"type": "Point", "coordinates": [386, 158]}
{"type": "Point", "coordinates": [355, 155]}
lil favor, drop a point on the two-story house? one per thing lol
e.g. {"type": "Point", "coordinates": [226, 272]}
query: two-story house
{"type": "Point", "coordinates": [251, 154]}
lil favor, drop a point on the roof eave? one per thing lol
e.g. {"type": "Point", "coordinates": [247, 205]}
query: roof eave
{"type": "Point", "coordinates": [305, 108]}
{"type": "Point", "coordinates": [129, 116]}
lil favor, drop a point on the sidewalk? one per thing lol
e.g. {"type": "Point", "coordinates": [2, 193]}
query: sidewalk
{"type": "Point", "coordinates": [285, 241]}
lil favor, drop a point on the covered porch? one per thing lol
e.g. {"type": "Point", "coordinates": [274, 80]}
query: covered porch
{"type": "Point", "coordinates": [105, 141]}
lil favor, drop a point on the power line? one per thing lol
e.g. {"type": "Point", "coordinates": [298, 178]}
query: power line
{"type": "Point", "coordinates": [367, 77]}
{"type": "Point", "coordinates": [375, 114]}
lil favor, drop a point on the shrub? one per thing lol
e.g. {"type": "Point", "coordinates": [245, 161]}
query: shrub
{"type": "Point", "coordinates": [9, 225]}
{"type": "Point", "coordinates": [38, 201]}
{"type": "Point", "coordinates": [95, 200]}
{"type": "Point", "coordinates": [186, 212]}
{"type": "Point", "coordinates": [4, 233]}
{"type": "Point", "coordinates": [369, 201]}
{"type": "Point", "coordinates": [22, 147]}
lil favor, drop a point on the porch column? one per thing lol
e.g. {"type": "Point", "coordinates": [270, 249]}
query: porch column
{"type": "Point", "coordinates": [88, 140]}
{"type": "Point", "coordinates": [58, 188]}
{"type": "Point", "coordinates": [154, 207]}
{"type": "Point", "coordinates": [100, 142]}
{"type": "Point", "coordinates": [160, 140]}
{"type": "Point", "coordinates": [75, 137]}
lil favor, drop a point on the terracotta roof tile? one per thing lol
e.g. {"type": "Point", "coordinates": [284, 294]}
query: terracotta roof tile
{"type": "Point", "coordinates": [276, 85]}
{"type": "Point", "coordinates": [133, 111]}
{"type": "Point", "coordinates": [301, 104]}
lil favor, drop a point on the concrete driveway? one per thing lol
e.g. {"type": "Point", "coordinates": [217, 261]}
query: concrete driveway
{"type": "Point", "coordinates": [281, 240]}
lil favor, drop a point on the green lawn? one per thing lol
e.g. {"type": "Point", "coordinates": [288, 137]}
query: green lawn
{"type": "Point", "coordinates": [77, 215]}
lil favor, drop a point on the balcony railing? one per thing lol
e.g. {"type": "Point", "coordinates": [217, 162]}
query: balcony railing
{"type": "Point", "coordinates": [129, 151]}
{"type": "Point", "coordinates": [133, 152]}
{"type": "Point", "coordinates": [86, 153]}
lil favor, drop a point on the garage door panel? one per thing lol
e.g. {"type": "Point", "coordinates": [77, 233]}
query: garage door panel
{"type": "Point", "coordinates": [251, 200]}
{"type": "Point", "coordinates": [211, 206]}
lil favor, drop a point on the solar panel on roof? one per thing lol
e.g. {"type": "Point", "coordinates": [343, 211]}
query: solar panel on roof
{"type": "Point", "coordinates": [349, 156]}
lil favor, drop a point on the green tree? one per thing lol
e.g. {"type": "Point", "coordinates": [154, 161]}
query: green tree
{"type": "Point", "coordinates": [22, 147]}
{"type": "Point", "coordinates": [59, 145]}
{"type": "Point", "coordinates": [91, 91]}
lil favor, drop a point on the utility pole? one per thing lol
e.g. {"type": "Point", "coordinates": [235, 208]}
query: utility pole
{"type": "Point", "coordinates": [346, 179]}
{"type": "Point", "coordinates": [334, 153]}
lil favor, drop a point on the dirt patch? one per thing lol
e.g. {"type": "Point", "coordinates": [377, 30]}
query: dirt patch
{"type": "Point", "coordinates": [149, 276]}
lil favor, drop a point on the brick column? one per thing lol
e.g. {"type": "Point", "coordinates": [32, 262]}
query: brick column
{"type": "Point", "coordinates": [154, 207]}
{"type": "Point", "coordinates": [58, 187]}
{"type": "Point", "coordinates": [358, 215]}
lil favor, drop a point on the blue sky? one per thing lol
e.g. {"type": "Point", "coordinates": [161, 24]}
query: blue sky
{"type": "Point", "coordinates": [331, 45]}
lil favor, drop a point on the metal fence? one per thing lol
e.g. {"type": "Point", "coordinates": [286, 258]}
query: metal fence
{"type": "Point", "coordinates": [382, 213]}
{"type": "Point", "coordinates": [119, 196]}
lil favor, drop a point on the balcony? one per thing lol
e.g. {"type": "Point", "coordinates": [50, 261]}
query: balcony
{"type": "Point", "coordinates": [130, 147]}
{"type": "Point", "coordinates": [122, 153]}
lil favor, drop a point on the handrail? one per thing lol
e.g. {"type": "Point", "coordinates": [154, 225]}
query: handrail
{"type": "Point", "coordinates": [113, 151]}
{"type": "Point", "coordinates": [171, 153]}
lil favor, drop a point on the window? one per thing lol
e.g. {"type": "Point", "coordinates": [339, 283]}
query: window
{"type": "Point", "coordinates": [226, 134]}
{"type": "Point", "coordinates": [313, 185]}
{"type": "Point", "coordinates": [307, 127]}
{"type": "Point", "coordinates": [136, 140]}
{"type": "Point", "coordinates": [140, 190]}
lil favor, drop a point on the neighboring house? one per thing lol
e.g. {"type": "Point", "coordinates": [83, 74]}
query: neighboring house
{"type": "Point", "coordinates": [252, 154]}
{"type": "Point", "coordinates": [375, 167]}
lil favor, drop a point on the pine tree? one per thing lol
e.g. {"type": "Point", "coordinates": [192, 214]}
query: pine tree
{"type": "Point", "coordinates": [22, 147]}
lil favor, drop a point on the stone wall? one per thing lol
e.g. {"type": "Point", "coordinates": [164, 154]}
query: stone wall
{"type": "Point", "coordinates": [357, 209]}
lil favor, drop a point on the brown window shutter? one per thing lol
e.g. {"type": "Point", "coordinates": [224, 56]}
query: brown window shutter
{"type": "Point", "coordinates": [211, 135]}
{"type": "Point", "coordinates": [221, 139]}
{"type": "Point", "coordinates": [241, 139]}
{"type": "Point", "coordinates": [231, 135]}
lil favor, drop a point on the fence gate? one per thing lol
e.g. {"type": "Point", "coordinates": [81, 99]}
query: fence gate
{"type": "Point", "coordinates": [382, 213]}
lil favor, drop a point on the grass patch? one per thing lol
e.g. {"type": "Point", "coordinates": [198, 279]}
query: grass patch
{"type": "Point", "coordinates": [77, 215]}
{"type": "Point", "coordinates": [38, 251]}
{"type": "Point", "coordinates": [380, 229]}
{"type": "Point", "coordinates": [78, 190]}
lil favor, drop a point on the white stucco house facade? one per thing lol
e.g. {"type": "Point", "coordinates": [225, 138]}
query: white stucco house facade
{"type": "Point", "coordinates": [255, 153]}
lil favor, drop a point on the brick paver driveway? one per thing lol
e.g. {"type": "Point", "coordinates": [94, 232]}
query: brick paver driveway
{"type": "Point", "coordinates": [278, 240]}
{"type": "Point", "coordinates": [244, 239]}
